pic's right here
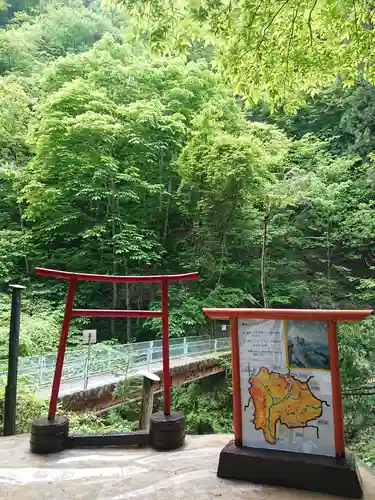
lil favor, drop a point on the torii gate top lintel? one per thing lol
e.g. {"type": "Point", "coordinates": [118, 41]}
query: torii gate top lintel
{"type": "Point", "coordinates": [40, 271]}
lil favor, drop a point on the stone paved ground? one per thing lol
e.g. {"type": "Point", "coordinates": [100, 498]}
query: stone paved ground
{"type": "Point", "coordinates": [188, 474]}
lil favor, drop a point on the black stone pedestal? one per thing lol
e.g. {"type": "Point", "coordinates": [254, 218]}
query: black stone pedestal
{"type": "Point", "coordinates": [49, 436]}
{"type": "Point", "coordinates": [331, 475]}
{"type": "Point", "coordinates": [167, 432]}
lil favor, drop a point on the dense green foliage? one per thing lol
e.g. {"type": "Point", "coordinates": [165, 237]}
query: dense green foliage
{"type": "Point", "coordinates": [118, 160]}
{"type": "Point", "coordinates": [28, 406]}
{"type": "Point", "coordinates": [207, 406]}
{"type": "Point", "coordinates": [278, 51]}
{"type": "Point", "coordinates": [114, 160]}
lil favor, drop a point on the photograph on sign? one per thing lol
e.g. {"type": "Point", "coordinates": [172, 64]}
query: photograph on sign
{"type": "Point", "coordinates": [286, 389]}
{"type": "Point", "coordinates": [307, 344]}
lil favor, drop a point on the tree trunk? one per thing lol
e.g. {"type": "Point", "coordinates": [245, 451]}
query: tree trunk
{"type": "Point", "coordinates": [114, 306]}
{"type": "Point", "coordinates": [197, 223]}
{"type": "Point", "coordinates": [263, 261]}
{"type": "Point", "coordinates": [139, 303]}
{"type": "Point", "coordinates": [128, 320]}
{"type": "Point", "coordinates": [161, 195]}
{"type": "Point", "coordinates": [166, 218]}
{"type": "Point", "coordinates": [152, 292]}
{"type": "Point", "coordinates": [329, 263]}
{"type": "Point", "coordinates": [223, 246]}
{"type": "Point", "coordinates": [22, 226]}
{"type": "Point", "coordinates": [114, 209]}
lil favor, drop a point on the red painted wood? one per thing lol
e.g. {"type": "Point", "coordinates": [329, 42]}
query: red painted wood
{"type": "Point", "coordinates": [116, 313]}
{"type": "Point", "coordinates": [236, 382]}
{"type": "Point", "coordinates": [61, 350]}
{"type": "Point", "coordinates": [330, 316]}
{"type": "Point", "coordinates": [336, 388]}
{"type": "Point", "coordinates": [165, 343]}
{"type": "Point", "coordinates": [114, 279]}
{"type": "Point", "coordinates": [69, 312]}
{"type": "Point", "coordinates": [296, 314]}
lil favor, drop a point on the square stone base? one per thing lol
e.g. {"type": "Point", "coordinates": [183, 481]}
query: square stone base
{"type": "Point", "coordinates": [336, 476]}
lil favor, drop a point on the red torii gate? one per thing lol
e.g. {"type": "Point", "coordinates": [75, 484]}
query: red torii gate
{"type": "Point", "coordinates": [110, 313]}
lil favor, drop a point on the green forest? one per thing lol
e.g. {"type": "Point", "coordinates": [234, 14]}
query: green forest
{"type": "Point", "coordinates": [137, 138]}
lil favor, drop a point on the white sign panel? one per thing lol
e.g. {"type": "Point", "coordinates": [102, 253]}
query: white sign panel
{"type": "Point", "coordinates": [286, 392]}
{"type": "Point", "coordinates": [89, 337]}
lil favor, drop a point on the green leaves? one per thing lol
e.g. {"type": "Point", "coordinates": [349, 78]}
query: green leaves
{"type": "Point", "coordinates": [207, 409]}
{"type": "Point", "coordinates": [14, 117]}
{"type": "Point", "coordinates": [279, 52]}
{"type": "Point", "coordinates": [40, 327]}
{"type": "Point", "coordinates": [116, 160]}
{"type": "Point", "coordinates": [29, 406]}
{"type": "Point", "coordinates": [357, 354]}
{"type": "Point", "coordinates": [57, 31]}
{"type": "Point", "coordinates": [99, 190]}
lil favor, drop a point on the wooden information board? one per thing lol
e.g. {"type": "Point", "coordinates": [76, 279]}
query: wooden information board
{"type": "Point", "coordinates": [287, 407]}
{"type": "Point", "coordinates": [286, 390]}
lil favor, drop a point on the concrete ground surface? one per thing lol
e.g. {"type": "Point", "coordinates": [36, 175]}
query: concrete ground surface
{"type": "Point", "coordinates": [140, 473]}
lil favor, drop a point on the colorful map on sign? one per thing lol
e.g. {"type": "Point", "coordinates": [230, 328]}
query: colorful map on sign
{"type": "Point", "coordinates": [282, 398]}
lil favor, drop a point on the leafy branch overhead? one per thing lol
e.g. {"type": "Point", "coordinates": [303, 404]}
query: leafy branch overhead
{"type": "Point", "coordinates": [280, 52]}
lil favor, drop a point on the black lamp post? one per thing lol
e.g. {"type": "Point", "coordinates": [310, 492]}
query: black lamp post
{"type": "Point", "coordinates": [14, 338]}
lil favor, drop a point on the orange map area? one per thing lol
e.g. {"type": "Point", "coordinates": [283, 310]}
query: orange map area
{"type": "Point", "coordinates": [284, 399]}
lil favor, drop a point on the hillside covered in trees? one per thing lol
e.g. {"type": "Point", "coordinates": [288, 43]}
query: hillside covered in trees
{"type": "Point", "coordinates": [117, 158]}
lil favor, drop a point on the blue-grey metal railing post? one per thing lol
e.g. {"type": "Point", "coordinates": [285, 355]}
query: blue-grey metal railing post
{"type": "Point", "coordinates": [87, 363]}
{"type": "Point", "coordinates": [85, 374]}
{"type": "Point", "coordinates": [149, 353]}
{"type": "Point", "coordinates": [186, 347]}
{"type": "Point", "coordinates": [40, 369]}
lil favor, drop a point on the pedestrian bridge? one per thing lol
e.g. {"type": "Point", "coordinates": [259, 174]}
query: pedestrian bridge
{"type": "Point", "coordinates": [90, 375]}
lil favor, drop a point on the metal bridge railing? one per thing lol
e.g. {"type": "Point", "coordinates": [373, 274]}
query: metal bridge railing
{"type": "Point", "coordinates": [113, 360]}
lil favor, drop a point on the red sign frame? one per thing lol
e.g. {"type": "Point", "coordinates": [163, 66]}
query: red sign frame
{"type": "Point", "coordinates": [330, 316]}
